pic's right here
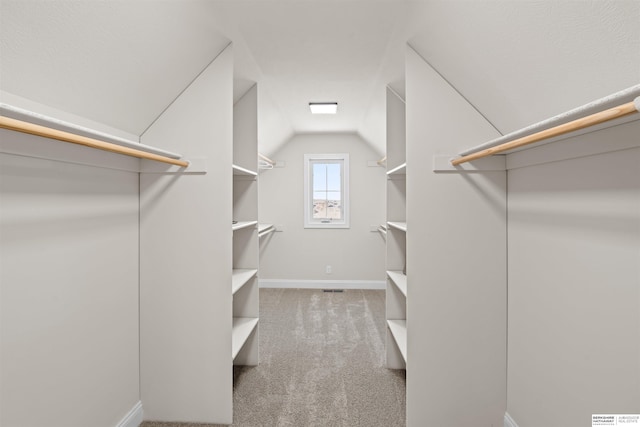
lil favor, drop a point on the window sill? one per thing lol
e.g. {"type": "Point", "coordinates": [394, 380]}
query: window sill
{"type": "Point", "coordinates": [327, 226]}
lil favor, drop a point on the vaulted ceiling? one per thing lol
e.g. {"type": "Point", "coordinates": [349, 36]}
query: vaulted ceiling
{"type": "Point", "coordinates": [121, 62]}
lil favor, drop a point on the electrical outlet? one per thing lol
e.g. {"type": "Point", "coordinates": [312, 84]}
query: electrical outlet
{"type": "Point", "coordinates": [328, 269]}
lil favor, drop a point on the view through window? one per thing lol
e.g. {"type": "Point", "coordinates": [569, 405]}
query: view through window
{"type": "Point", "coordinates": [326, 190]}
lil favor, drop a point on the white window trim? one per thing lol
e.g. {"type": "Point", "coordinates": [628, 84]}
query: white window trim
{"type": "Point", "coordinates": [308, 192]}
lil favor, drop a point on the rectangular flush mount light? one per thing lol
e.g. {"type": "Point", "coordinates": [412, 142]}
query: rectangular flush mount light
{"type": "Point", "coordinates": [323, 107]}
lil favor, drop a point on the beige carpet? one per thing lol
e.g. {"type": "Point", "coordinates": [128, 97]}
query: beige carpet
{"type": "Point", "coordinates": [321, 364]}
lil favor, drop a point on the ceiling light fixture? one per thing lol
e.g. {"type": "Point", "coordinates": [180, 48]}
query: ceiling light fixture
{"type": "Point", "coordinates": [323, 107]}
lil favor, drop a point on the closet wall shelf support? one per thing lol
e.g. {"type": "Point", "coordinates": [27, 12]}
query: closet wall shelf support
{"type": "Point", "coordinates": [266, 159]}
{"type": "Point", "coordinates": [265, 163]}
{"type": "Point", "coordinates": [262, 165]}
{"type": "Point", "coordinates": [264, 229]}
{"type": "Point", "coordinates": [46, 132]}
{"type": "Point", "coordinates": [514, 140]}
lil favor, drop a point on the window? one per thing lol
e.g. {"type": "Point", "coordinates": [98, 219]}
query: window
{"type": "Point", "coordinates": [326, 190]}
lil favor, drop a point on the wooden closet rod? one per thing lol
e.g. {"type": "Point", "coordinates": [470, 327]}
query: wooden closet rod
{"type": "Point", "coordinates": [33, 129]}
{"type": "Point", "coordinates": [592, 120]}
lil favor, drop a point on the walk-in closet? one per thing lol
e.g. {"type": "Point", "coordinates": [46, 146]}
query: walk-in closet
{"type": "Point", "coordinates": [322, 213]}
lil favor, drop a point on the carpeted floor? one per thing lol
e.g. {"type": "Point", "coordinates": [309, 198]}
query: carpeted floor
{"type": "Point", "coordinates": [321, 364]}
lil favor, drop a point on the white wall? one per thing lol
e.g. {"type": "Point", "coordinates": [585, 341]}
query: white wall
{"type": "Point", "coordinates": [185, 258]}
{"type": "Point", "coordinates": [574, 286]}
{"type": "Point", "coordinates": [520, 62]}
{"type": "Point", "coordinates": [302, 254]}
{"type": "Point", "coordinates": [456, 263]}
{"type": "Point", "coordinates": [69, 287]}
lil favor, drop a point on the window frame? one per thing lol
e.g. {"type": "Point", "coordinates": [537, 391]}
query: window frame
{"type": "Point", "coordinates": [309, 222]}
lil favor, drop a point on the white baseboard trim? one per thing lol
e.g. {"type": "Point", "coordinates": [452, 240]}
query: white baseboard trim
{"type": "Point", "coordinates": [508, 421]}
{"type": "Point", "coordinates": [133, 418]}
{"type": "Point", "coordinates": [322, 284]}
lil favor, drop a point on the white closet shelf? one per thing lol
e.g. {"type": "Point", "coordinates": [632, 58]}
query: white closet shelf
{"type": "Point", "coordinates": [243, 224]}
{"type": "Point", "coordinates": [399, 279]}
{"type": "Point", "coordinates": [239, 277]}
{"type": "Point", "coordinates": [620, 107]}
{"type": "Point", "coordinates": [122, 147]}
{"type": "Point", "coordinates": [398, 170]}
{"type": "Point", "coordinates": [242, 329]}
{"type": "Point", "coordinates": [239, 170]}
{"type": "Point", "coordinates": [34, 118]}
{"type": "Point", "coordinates": [398, 329]}
{"type": "Point", "coordinates": [264, 229]}
{"type": "Point", "coordinates": [402, 226]}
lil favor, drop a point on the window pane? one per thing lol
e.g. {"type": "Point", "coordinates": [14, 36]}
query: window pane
{"type": "Point", "coordinates": [319, 176]}
{"type": "Point", "coordinates": [334, 176]}
{"type": "Point", "coordinates": [319, 209]}
{"type": "Point", "coordinates": [334, 207]}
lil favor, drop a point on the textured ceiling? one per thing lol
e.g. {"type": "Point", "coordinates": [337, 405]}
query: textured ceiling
{"type": "Point", "coordinates": [121, 62]}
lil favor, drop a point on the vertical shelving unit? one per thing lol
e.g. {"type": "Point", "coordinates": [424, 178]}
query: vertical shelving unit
{"type": "Point", "coordinates": [244, 286]}
{"type": "Point", "coordinates": [396, 296]}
